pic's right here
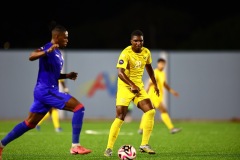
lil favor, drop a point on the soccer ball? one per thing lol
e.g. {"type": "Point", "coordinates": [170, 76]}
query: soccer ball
{"type": "Point", "coordinates": [127, 152]}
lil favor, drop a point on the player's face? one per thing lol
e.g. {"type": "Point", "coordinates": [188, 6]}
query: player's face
{"type": "Point", "coordinates": [63, 39]}
{"type": "Point", "coordinates": [137, 43]}
{"type": "Point", "coordinates": [161, 65]}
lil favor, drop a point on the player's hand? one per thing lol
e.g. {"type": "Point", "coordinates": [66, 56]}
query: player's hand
{"type": "Point", "coordinates": [66, 90]}
{"type": "Point", "coordinates": [176, 94]}
{"type": "Point", "coordinates": [54, 46]}
{"type": "Point", "coordinates": [72, 75]}
{"type": "Point", "coordinates": [156, 90]}
{"type": "Point", "coordinates": [135, 89]}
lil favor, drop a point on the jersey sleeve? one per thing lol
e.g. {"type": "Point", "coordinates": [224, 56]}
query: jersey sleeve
{"type": "Point", "coordinates": [61, 80]}
{"type": "Point", "coordinates": [149, 60]}
{"type": "Point", "coordinates": [122, 61]}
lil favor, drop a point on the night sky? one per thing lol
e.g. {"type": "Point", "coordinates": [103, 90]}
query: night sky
{"type": "Point", "coordinates": [108, 24]}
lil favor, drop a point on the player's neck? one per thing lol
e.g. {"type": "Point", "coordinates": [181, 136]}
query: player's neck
{"type": "Point", "coordinates": [53, 41]}
{"type": "Point", "coordinates": [136, 51]}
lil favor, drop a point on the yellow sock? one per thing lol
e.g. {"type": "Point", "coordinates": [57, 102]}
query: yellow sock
{"type": "Point", "coordinates": [55, 118]}
{"type": "Point", "coordinates": [141, 123]}
{"type": "Point", "coordinates": [114, 131]}
{"type": "Point", "coordinates": [43, 119]}
{"type": "Point", "coordinates": [148, 126]}
{"type": "Point", "coordinates": [167, 121]}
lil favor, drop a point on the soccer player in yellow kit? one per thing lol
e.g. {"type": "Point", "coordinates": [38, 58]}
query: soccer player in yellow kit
{"type": "Point", "coordinates": [131, 63]}
{"type": "Point", "coordinates": [158, 101]}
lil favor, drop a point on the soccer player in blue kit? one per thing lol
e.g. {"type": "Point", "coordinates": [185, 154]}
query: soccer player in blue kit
{"type": "Point", "coordinates": [46, 92]}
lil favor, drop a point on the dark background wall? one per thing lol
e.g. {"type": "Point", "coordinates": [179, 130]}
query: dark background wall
{"type": "Point", "coordinates": [171, 25]}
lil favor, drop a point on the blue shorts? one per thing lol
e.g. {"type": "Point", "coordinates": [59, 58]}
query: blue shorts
{"type": "Point", "coordinates": [45, 99]}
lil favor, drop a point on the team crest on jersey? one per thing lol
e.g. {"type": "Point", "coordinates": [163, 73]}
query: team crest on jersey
{"type": "Point", "coordinates": [121, 61]}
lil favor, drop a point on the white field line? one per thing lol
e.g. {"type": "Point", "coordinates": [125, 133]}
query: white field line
{"type": "Point", "coordinates": [90, 132]}
{"type": "Point", "coordinates": [106, 132]}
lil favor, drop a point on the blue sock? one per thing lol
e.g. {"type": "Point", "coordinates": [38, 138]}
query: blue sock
{"type": "Point", "coordinates": [16, 132]}
{"type": "Point", "coordinates": [77, 121]}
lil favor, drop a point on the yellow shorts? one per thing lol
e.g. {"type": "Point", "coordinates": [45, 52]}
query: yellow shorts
{"type": "Point", "coordinates": [125, 96]}
{"type": "Point", "coordinates": [156, 101]}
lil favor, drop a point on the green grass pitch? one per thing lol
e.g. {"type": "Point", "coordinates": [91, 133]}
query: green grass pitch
{"type": "Point", "coordinates": [197, 140]}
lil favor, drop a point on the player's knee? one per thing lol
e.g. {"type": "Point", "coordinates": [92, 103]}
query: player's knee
{"type": "Point", "coordinates": [79, 107]}
{"type": "Point", "coordinates": [30, 125]}
{"type": "Point", "coordinates": [151, 112]}
{"type": "Point", "coordinates": [163, 110]}
{"type": "Point", "coordinates": [121, 116]}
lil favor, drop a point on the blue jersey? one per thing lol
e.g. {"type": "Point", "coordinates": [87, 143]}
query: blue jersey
{"type": "Point", "coordinates": [50, 67]}
{"type": "Point", "coordinates": [46, 92]}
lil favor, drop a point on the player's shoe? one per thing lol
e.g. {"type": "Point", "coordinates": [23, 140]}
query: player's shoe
{"type": "Point", "coordinates": [58, 129]}
{"type": "Point", "coordinates": [175, 130]}
{"type": "Point", "coordinates": [108, 152]}
{"type": "Point", "coordinates": [147, 149]}
{"type": "Point", "coordinates": [140, 131]}
{"type": "Point", "coordinates": [1, 149]}
{"type": "Point", "coordinates": [79, 150]}
{"type": "Point", "coordinates": [38, 127]}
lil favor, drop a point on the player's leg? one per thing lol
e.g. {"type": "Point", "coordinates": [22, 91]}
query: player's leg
{"type": "Point", "coordinates": [43, 119]}
{"type": "Point", "coordinates": [37, 112]}
{"type": "Point", "coordinates": [121, 112]}
{"type": "Point", "coordinates": [155, 101]}
{"type": "Point", "coordinates": [55, 120]}
{"type": "Point", "coordinates": [165, 116]}
{"type": "Point", "coordinates": [78, 109]}
{"type": "Point", "coordinates": [144, 103]}
{"type": "Point", "coordinates": [64, 101]}
{"type": "Point", "coordinates": [148, 123]}
{"type": "Point", "coordinates": [123, 99]}
{"type": "Point", "coordinates": [128, 117]}
{"type": "Point", "coordinates": [166, 119]}
{"type": "Point", "coordinates": [29, 123]}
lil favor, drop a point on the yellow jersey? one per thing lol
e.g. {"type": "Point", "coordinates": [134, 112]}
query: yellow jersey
{"type": "Point", "coordinates": [134, 64]}
{"type": "Point", "coordinates": [160, 77]}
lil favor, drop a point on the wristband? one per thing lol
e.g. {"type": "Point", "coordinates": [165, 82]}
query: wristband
{"type": "Point", "coordinates": [64, 76]}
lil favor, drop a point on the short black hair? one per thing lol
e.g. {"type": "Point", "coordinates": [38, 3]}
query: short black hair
{"type": "Point", "coordinates": [136, 33]}
{"type": "Point", "coordinates": [54, 26]}
{"type": "Point", "coordinates": [161, 60]}
{"type": "Point", "coordinates": [59, 28]}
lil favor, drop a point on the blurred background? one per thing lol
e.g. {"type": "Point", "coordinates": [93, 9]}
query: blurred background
{"type": "Point", "coordinates": [199, 40]}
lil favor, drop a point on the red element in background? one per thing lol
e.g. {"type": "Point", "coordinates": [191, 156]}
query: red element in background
{"type": "Point", "coordinates": [97, 85]}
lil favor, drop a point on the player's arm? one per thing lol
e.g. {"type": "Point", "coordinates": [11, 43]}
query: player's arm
{"type": "Point", "coordinates": [124, 78]}
{"type": "Point", "coordinates": [169, 89]}
{"type": "Point", "coordinates": [62, 83]}
{"type": "Point", "coordinates": [152, 77]}
{"type": "Point", "coordinates": [40, 53]}
{"type": "Point", "coordinates": [71, 75]}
